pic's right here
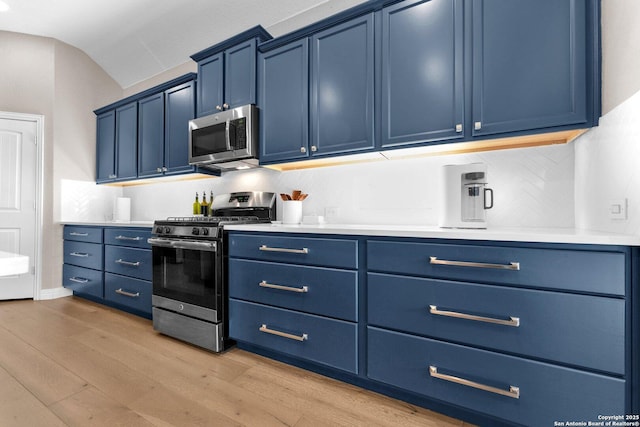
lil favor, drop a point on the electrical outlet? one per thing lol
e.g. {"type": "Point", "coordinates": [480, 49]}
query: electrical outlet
{"type": "Point", "coordinates": [618, 209]}
{"type": "Point", "coordinates": [331, 212]}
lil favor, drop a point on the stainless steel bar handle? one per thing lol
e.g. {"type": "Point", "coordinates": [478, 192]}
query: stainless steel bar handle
{"type": "Point", "coordinates": [289, 251]}
{"type": "Point", "coordinates": [127, 294]}
{"type": "Point", "coordinates": [511, 266]}
{"type": "Point", "coordinates": [513, 392]}
{"type": "Point", "coordinates": [79, 254]}
{"type": "Point", "coordinates": [266, 330]}
{"type": "Point", "coordinates": [75, 233]}
{"type": "Point", "coordinates": [137, 238]}
{"type": "Point", "coordinates": [131, 264]}
{"type": "Point", "coordinates": [79, 280]}
{"type": "Point", "coordinates": [513, 321]}
{"type": "Point", "coordinates": [264, 284]}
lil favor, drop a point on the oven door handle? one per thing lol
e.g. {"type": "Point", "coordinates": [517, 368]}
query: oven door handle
{"type": "Point", "coordinates": [181, 244]}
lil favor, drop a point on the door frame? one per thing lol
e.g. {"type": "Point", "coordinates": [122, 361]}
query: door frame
{"type": "Point", "coordinates": [38, 119]}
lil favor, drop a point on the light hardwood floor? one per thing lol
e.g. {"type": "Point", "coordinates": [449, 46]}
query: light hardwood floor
{"type": "Point", "coordinates": [71, 362]}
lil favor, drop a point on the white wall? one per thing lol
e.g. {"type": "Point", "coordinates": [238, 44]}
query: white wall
{"type": "Point", "coordinates": [43, 76]}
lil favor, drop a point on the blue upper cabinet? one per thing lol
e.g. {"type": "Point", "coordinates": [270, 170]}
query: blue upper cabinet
{"type": "Point", "coordinates": [283, 99]}
{"type": "Point", "coordinates": [147, 134]}
{"type": "Point", "coordinates": [127, 142]}
{"type": "Point", "coordinates": [530, 65]}
{"type": "Point", "coordinates": [106, 146]}
{"type": "Point", "coordinates": [342, 87]}
{"type": "Point", "coordinates": [180, 107]}
{"type": "Point", "coordinates": [151, 135]}
{"type": "Point", "coordinates": [163, 131]}
{"type": "Point", "coordinates": [210, 84]}
{"type": "Point", "coordinates": [240, 74]}
{"type": "Point", "coordinates": [422, 93]}
{"type": "Point", "coordinates": [227, 72]}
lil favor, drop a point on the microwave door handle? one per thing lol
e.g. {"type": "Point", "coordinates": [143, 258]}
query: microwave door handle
{"type": "Point", "coordinates": [227, 134]}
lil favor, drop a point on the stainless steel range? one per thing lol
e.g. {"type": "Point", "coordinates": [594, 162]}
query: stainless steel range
{"type": "Point", "coordinates": [189, 269]}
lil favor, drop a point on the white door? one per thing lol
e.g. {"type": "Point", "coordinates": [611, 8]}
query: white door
{"type": "Point", "coordinates": [18, 227]}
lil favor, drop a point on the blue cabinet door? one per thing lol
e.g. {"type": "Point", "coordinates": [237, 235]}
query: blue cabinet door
{"type": "Point", "coordinates": [240, 74]}
{"type": "Point", "coordinates": [422, 97]}
{"type": "Point", "coordinates": [179, 109]}
{"type": "Point", "coordinates": [106, 146]}
{"type": "Point", "coordinates": [127, 142]}
{"type": "Point", "coordinates": [529, 64]}
{"type": "Point", "coordinates": [342, 65]}
{"type": "Point", "coordinates": [283, 82]}
{"type": "Point", "coordinates": [151, 135]}
{"type": "Point", "coordinates": [210, 84]}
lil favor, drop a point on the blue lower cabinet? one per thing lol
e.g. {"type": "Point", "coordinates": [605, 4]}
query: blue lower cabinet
{"type": "Point", "coordinates": [317, 339]}
{"type": "Point", "coordinates": [295, 250]}
{"type": "Point", "coordinates": [323, 291]}
{"type": "Point", "coordinates": [132, 237]}
{"type": "Point", "coordinates": [129, 292]}
{"type": "Point", "coordinates": [131, 262]}
{"type": "Point", "coordinates": [82, 280]}
{"type": "Point", "coordinates": [507, 387]}
{"type": "Point", "coordinates": [548, 325]}
{"type": "Point", "coordinates": [81, 254]}
{"type": "Point", "coordinates": [574, 270]}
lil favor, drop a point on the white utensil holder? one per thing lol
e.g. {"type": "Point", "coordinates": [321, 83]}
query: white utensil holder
{"type": "Point", "coordinates": [291, 211]}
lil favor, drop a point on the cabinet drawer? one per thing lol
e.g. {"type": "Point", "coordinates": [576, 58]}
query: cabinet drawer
{"type": "Point", "coordinates": [543, 324]}
{"type": "Point", "coordinates": [133, 237]}
{"type": "Point", "coordinates": [83, 234]}
{"type": "Point", "coordinates": [128, 261]}
{"type": "Point", "coordinates": [317, 290]}
{"type": "Point", "coordinates": [82, 280]}
{"type": "Point", "coordinates": [547, 393]}
{"type": "Point", "coordinates": [584, 271]}
{"type": "Point", "coordinates": [87, 255]}
{"type": "Point", "coordinates": [132, 293]}
{"type": "Point", "coordinates": [318, 339]}
{"type": "Point", "coordinates": [296, 250]}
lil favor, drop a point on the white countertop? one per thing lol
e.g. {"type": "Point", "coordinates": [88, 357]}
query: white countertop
{"type": "Point", "coordinates": [543, 235]}
{"type": "Point", "coordinates": [148, 224]}
{"type": "Point", "coordinates": [11, 264]}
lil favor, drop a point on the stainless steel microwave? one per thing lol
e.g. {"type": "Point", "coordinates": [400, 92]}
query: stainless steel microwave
{"type": "Point", "coordinates": [225, 140]}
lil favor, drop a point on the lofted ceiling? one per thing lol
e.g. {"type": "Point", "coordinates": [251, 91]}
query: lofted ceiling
{"type": "Point", "coordinates": [133, 40]}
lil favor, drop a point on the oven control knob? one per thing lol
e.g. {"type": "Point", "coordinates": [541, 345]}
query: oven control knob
{"type": "Point", "coordinates": [195, 231]}
{"type": "Point", "coordinates": [205, 231]}
{"type": "Point", "coordinates": [167, 230]}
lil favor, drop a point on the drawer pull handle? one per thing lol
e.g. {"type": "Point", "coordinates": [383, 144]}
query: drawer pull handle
{"type": "Point", "coordinates": [131, 264]}
{"type": "Point", "coordinates": [513, 321]}
{"type": "Point", "coordinates": [75, 233]}
{"type": "Point", "coordinates": [289, 251]}
{"type": "Point", "coordinates": [127, 294]}
{"type": "Point", "coordinates": [78, 279]}
{"type": "Point", "coordinates": [264, 284]}
{"type": "Point", "coordinates": [513, 392]}
{"type": "Point", "coordinates": [79, 254]}
{"type": "Point", "coordinates": [137, 238]}
{"type": "Point", "coordinates": [515, 266]}
{"type": "Point", "coordinates": [266, 330]}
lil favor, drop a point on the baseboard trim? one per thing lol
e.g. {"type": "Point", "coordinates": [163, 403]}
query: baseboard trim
{"type": "Point", "coordinates": [55, 293]}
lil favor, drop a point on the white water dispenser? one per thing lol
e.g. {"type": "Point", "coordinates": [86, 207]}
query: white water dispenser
{"type": "Point", "coordinates": [466, 197]}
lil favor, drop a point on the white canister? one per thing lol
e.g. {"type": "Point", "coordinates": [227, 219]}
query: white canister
{"type": "Point", "coordinates": [291, 211]}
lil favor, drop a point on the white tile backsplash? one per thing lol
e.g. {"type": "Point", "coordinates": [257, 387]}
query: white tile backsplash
{"type": "Point", "coordinates": [607, 168]}
{"type": "Point", "coordinates": [533, 188]}
{"type": "Point", "coordinates": [83, 201]}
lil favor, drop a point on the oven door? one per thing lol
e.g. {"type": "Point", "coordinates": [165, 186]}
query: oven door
{"type": "Point", "coordinates": [188, 272]}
